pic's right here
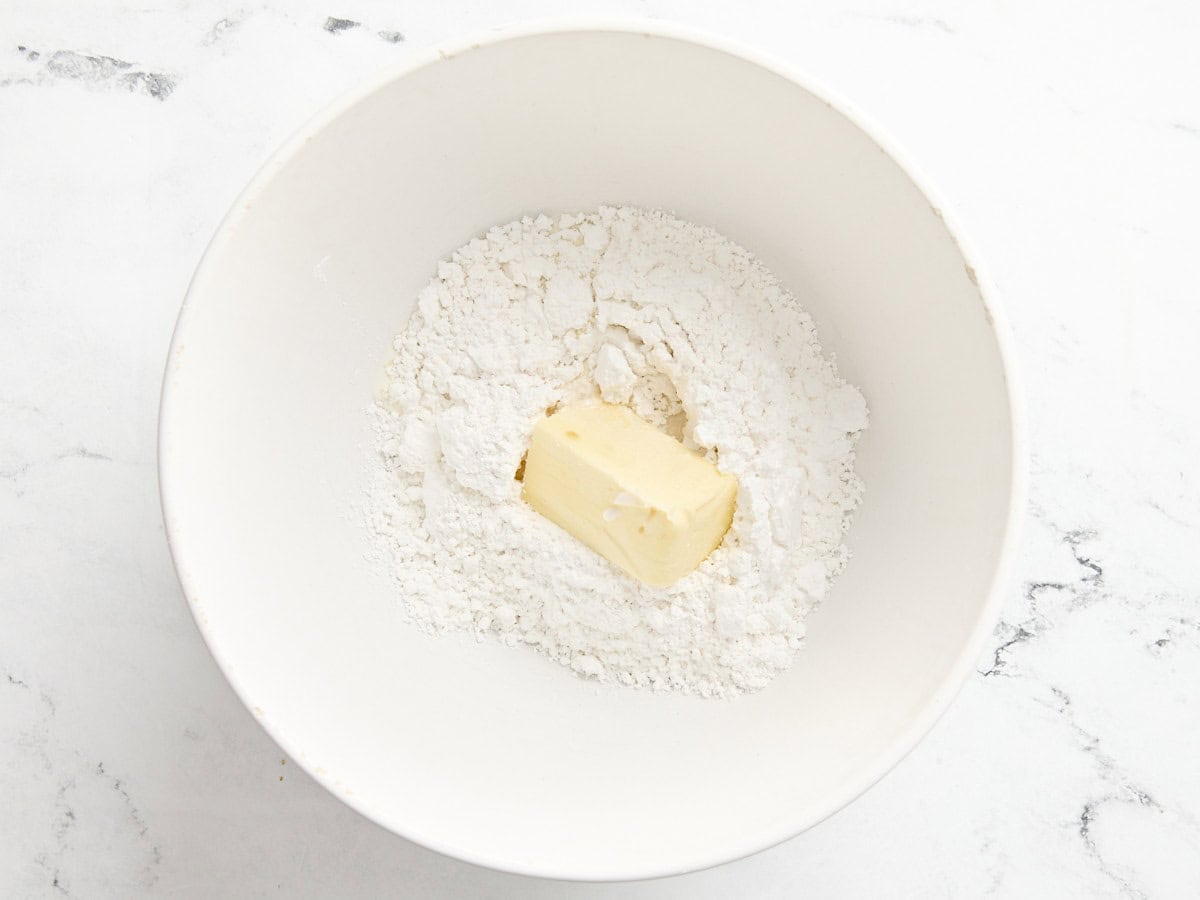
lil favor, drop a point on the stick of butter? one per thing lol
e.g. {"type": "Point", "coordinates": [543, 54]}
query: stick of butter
{"type": "Point", "coordinates": [636, 496]}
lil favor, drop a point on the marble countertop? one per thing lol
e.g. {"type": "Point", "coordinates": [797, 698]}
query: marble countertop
{"type": "Point", "coordinates": [1067, 143]}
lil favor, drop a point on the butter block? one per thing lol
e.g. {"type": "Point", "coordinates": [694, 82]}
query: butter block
{"type": "Point", "coordinates": [636, 496]}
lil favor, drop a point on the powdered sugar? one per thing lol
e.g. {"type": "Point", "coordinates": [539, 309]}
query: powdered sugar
{"type": "Point", "coordinates": [690, 331]}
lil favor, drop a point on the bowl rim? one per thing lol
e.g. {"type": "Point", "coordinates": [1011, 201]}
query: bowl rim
{"type": "Point", "coordinates": [969, 654]}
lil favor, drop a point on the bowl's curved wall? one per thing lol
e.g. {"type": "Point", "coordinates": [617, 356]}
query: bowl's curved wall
{"type": "Point", "coordinates": [482, 751]}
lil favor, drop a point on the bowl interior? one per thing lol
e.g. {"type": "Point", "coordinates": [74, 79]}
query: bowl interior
{"type": "Point", "coordinates": [493, 754]}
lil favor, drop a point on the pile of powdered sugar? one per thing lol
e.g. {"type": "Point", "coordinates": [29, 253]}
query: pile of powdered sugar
{"type": "Point", "coordinates": [692, 332]}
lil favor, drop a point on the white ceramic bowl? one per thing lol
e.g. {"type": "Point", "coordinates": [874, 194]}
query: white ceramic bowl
{"type": "Point", "coordinates": [496, 755]}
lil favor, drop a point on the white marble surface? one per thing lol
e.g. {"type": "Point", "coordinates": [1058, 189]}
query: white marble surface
{"type": "Point", "coordinates": [1066, 136]}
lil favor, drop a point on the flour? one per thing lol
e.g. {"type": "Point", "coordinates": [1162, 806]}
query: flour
{"type": "Point", "coordinates": [697, 337]}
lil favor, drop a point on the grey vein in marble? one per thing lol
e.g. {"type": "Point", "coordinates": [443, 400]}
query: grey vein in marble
{"type": "Point", "coordinates": [337, 26]}
{"type": "Point", "coordinates": [221, 29]}
{"type": "Point", "coordinates": [334, 25]}
{"type": "Point", "coordinates": [1085, 589]}
{"type": "Point", "coordinates": [95, 71]}
{"type": "Point", "coordinates": [1123, 790]}
{"type": "Point", "coordinates": [74, 783]}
